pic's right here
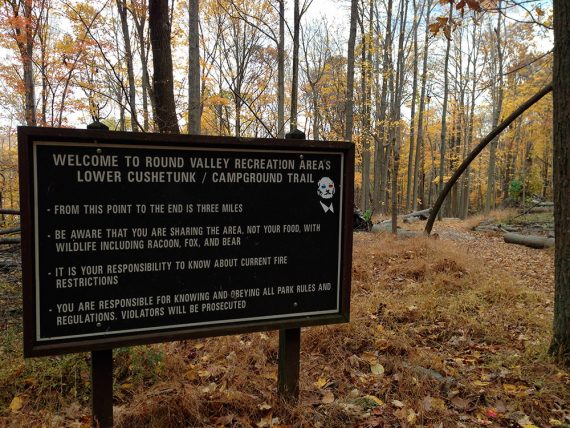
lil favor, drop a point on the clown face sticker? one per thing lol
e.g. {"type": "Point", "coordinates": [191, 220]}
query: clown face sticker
{"type": "Point", "coordinates": [326, 190]}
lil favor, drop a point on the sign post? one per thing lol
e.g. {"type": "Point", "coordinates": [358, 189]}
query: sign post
{"type": "Point", "coordinates": [290, 342]}
{"type": "Point", "coordinates": [101, 367]}
{"type": "Point", "coordinates": [133, 238]}
{"type": "Point", "coordinates": [102, 388]}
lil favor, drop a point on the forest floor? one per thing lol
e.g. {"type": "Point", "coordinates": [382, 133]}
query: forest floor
{"type": "Point", "coordinates": [447, 332]}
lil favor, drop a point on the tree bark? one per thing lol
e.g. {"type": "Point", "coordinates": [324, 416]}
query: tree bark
{"type": "Point", "coordinates": [194, 102]}
{"type": "Point", "coordinates": [469, 142]}
{"type": "Point", "coordinates": [163, 82]}
{"type": "Point", "coordinates": [281, 72]}
{"type": "Point", "coordinates": [497, 107]}
{"type": "Point", "coordinates": [420, 141]}
{"type": "Point", "coordinates": [140, 23]}
{"type": "Point", "coordinates": [349, 102]}
{"type": "Point", "coordinates": [560, 346]}
{"type": "Point", "coordinates": [122, 8]}
{"type": "Point", "coordinates": [24, 34]}
{"type": "Point", "coordinates": [410, 184]}
{"type": "Point", "coordinates": [383, 151]}
{"type": "Point", "coordinates": [443, 136]}
{"type": "Point", "coordinates": [366, 97]}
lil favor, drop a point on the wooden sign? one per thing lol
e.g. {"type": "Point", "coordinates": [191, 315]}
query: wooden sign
{"type": "Point", "coordinates": [138, 238]}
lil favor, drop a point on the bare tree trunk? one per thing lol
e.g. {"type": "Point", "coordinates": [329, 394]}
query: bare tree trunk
{"type": "Point", "coordinates": [497, 107]}
{"type": "Point", "coordinates": [420, 143]}
{"type": "Point", "coordinates": [366, 94]}
{"type": "Point", "coordinates": [140, 22]}
{"type": "Point", "coordinates": [410, 184]}
{"type": "Point", "coordinates": [194, 102]}
{"type": "Point", "coordinates": [469, 142]}
{"type": "Point", "coordinates": [383, 141]}
{"type": "Point", "coordinates": [560, 346]}
{"type": "Point", "coordinates": [398, 91]}
{"type": "Point", "coordinates": [396, 167]}
{"type": "Point", "coordinates": [378, 149]}
{"type": "Point", "coordinates": [295, 72]}
{"type": "Point", "coordinates": [43, 35]}
{"type": "Point", "coordinates": [24, 33]}
{"type": "Point", "coordinates": [122, 8]}
{"type": "Point", "coordinates": [527, 161]}
{"type": "Point", "coordinates": [163, 82]}
{"type": "Point", "coordinates": [281, 72]}
{"type": "Point", "coordinates": [443, 137]}
{"type": "Point", "coordinates": [349, 102]}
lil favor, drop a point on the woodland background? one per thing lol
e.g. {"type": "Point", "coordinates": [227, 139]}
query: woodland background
{"type": "Point", "coordinates": [430, 79]}
{"type": "Point", "coordinates": [454, 331]}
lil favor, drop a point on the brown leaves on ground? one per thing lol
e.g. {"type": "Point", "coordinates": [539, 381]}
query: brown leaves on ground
{"type": "Point", "coordinates": [448, 332]}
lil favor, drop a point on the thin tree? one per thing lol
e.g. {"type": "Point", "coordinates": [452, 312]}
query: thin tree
{"type": "Point", "coordinates": [410, 182]}
{"type": "Point", "coordinates": [560, 345]}
{"type": "Point", "coordinates": [497, 91]}
{"type": "Point", "coordinates": [443, 135]}
{"type": "Point", "coordinates": [163, 81]}
{"type": "Point", "coordinates": [382, 146]}
{"type": "Point", "coordinates": [23, 31]}
{"type": "Point", "coordinates": [122, 9]}
{"type": "Point", "coordinates": [194, 104]}
{"type": "Point", "coordinates": [298, 13]}
{"type": "Point", "coordinates": [420, 142]}
{"type": "Point", "coordinates": [349, 102]}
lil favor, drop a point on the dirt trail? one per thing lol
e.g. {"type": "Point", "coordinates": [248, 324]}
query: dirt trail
{"type": "Point", "coordinates": [531, 267]}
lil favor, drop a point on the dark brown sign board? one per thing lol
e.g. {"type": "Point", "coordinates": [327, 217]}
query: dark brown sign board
{"type": "Point", "coordinates": [134, 238]}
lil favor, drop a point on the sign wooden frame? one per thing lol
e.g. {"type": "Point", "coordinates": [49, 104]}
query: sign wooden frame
{"type": "Point", "coordinates": [28, 136]}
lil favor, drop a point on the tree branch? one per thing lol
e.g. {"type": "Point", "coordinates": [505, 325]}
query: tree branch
{"type": "Point", "coordinates": [484, 142]}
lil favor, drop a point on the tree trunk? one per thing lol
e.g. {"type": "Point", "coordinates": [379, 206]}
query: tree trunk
{"type": "Point", "coordinates": [349, 102]}
{"type": "Point", "coordinates": [398, 91]}
{"type": "Point", "coordinates": [194, 104]}
{"type": "Point", "coordinates": [560, 346]}
{"type": "Point", "coordinates": [444, 112]}
{"type": "Point", "coordinates": [163, 82]}
{"type": "Point", "coordinates": [410, 184]}
{"type": "Point", "coordinates": [281, 72]}
{"type": "Point", "coordinates": [295, 72]}
{"type": "Point", "coordinates": [140, 22]}
{"type": "Point", "coordinates": [418, 193]}
{"type": "Point", "coordinates": [469, 142]}
{"type": "Point", "coordinates": [24, 38]}
{"type": "Point", "coordinates": [377, 142]}
{"type": "Point", "coordinates": [365, 142]}
{"type": "Point", "coordinates": [122, 8]}
{"type": "Point", "coordinates": [497, 107]}
{"type": "Point", "coordinates": [383, 146]}
{"type": "Point", "coordinates": [396, 167]}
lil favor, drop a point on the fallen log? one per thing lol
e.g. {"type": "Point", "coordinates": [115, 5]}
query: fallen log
{"type": "Point", "coordinates": [9, 241]}
{"type": "Point", "coordinates": [409, 220]}
{"type": "Point", "coordinates": [9, 231]}
{"type": "Point", "coordinates": [532, 241]}
{"type": "Point", "coordinates": [9, 211]}
{"type": "Point", "coordinates": [540, 209]}
{"type": "Point", "coordinates": [423, 214]}
{"type": "Point", "coordinates": [403, 233]}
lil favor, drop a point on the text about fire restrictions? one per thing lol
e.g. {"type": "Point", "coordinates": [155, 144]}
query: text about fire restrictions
{"type": "Point", "coordinates": [135, 238]}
